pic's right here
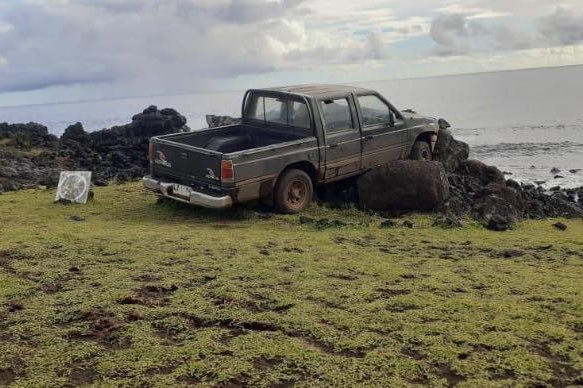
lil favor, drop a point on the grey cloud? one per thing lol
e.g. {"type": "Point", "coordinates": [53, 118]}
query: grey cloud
{"type": "Point", "coordinates": [509, 39]}
{"type": "Point", "coordinates": [563, 27]}
{"type": "Point", "coordinates": [457, 34]}
{"type": "Point", "coordinates": [55, 44]}
{"type": "Point", "coordinates": [451, 33]}
{"type": "Point", "coordinates": [373, 48]}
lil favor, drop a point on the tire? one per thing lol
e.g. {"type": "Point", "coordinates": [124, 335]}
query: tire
{"type": "Point", "coordinates": [293, 192]}
{"type": "Point", "coordinates": [421, 151]}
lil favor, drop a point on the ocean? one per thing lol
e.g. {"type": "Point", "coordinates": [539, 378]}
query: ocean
{"type": "Point", "coordinates": [525, 122]}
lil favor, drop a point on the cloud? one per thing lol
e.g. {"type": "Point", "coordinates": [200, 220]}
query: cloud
{"type": "Point", "coordinates": [453, 32]}
{"type": "Point", "coordinates": [563, 27]}
{"type": "Point", "coordinates": [173, 45]}
{"type": "Point", "coordinates": [480, 30]}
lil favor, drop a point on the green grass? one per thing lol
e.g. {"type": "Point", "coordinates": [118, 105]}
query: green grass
{"type": "Point", "coordinates": [141, 293]}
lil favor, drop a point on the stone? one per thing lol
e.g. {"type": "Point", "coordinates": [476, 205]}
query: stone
{"type": "Point", "coordinates": [421, 186]}
{"type": "Point", "coordinates": [449, 151]}
{"type": "Point", "coordinates": [513, 184]}
{"type": "Point", "coordinates": [408, 224]}
{"type": "Point", "coordinates": [560, 226]}
{"type": "Point", "coordinates": [388, 224]}
{"type": "Point", "coordinates": [499, 223]}
{"type": "Point", "coordinates": [486, 174]}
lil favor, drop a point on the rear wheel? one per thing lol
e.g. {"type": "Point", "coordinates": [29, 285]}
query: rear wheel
{"type": "Point", "coordinates": [421, 151]}
{"type": "Point", "coordinates": [293, 192]}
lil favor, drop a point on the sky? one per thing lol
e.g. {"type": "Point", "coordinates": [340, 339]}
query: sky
{"type": "Point", "coordinates": [71, 50]}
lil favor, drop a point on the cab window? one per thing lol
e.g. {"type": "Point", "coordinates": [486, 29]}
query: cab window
{"type": "Point", "coordinates": [278, 111]}
{"type": "Point", "coordinates": [337, 115]}
{"type": "Point", "coordinates": [374, 111]}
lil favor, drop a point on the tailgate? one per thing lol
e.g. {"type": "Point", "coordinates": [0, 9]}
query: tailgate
{"type": "Point", "coordinates": [185, 164]}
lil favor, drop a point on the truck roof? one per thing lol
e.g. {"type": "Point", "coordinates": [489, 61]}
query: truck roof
{"type": "Point", "coordinates": [319, 90]}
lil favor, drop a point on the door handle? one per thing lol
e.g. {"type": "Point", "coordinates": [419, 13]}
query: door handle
{"type": "Point", "coordinates": [334, 145]}
{"type": "Point", "coordinates": [369, 137]}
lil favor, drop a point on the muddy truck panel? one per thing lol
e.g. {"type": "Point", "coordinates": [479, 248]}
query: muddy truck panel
{"type": "Point", "coordinates": [290, 140]}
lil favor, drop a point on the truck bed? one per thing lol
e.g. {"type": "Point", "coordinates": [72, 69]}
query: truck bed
{"type": "Point", "coordinates": [237, 138]}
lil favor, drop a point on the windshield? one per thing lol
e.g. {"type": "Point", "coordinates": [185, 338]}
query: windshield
{"type": "Point", "coordinates": [277, 110]}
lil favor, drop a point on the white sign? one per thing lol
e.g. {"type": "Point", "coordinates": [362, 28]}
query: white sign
{"type": "Point", "coordinates": [74, 186]}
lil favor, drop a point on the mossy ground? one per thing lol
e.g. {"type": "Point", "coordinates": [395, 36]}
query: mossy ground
{"type": "Point", "coordinates": [141, 293]}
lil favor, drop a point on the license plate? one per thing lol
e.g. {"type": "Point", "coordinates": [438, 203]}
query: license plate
{"type": "Point", "coordinates": [181, 190]}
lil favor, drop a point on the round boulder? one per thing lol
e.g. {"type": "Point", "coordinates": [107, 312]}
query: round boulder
{"type": "Point", "coordinates": [404, 185]}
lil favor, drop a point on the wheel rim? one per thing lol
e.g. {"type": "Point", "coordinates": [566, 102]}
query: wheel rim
{"type": "Point", "coordinates": [296, 194]}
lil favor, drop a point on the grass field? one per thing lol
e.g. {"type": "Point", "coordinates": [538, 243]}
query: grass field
{"type": "Point", "coordinates": [125, 291]}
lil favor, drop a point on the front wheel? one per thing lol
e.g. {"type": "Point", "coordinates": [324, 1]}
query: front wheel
{"type": "Point", "coordinates": [421, 151]}
{"type": "Point", "coordinates": [293, 192]}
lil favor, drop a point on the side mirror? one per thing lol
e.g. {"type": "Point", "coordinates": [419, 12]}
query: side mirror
{"type": "Point", "coordinates": [391, 119]}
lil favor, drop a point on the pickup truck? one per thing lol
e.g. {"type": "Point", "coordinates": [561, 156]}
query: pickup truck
{"type": "Point", "coordinates": [290, 140]}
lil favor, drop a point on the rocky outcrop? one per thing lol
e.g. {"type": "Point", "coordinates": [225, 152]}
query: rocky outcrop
{"type": "Point", "coordinates": [449, 151]}
{"type": "Point", "coordinates": [30, 156]}
{"type": "Point", "coordinates": [404, 185]}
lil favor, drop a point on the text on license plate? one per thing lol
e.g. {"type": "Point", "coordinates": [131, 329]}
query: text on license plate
{"type": "Point", "coordinates": [181, 190]}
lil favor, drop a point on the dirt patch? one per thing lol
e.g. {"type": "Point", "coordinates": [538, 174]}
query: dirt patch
{"type": "Point", "coordinates": [392, 292]}
{"type": "Point", "coordinates": [103, 328]}
{"type": "Point", "coordinates": [564, 372]}
{"type": "Point", "coordinates": [148, 277]}
{"type": "Point", "coordinates": [14, 306]}
{"type": "Point", "coordinates": [234, 382]}
{"type": "Point", "coordinates": [402, 307]}
{"type": "Point", "coordinates": [150, 295]}
{"type": "Point", "coordinates": [161, 370]}
{"type": "Point", "coordinates": [226, 338]}
{"type": "Point", "coordinates": [51, 287]}
{"type": "Point", "coordinates": [445, 371]}
{"type": "Point", "coordinates": [263, 363]}
{"type": "Point", "coordinates": [343, 276]}
{"type": "Point", "coordinates": [7, 376]}
{"type": "Point", "coordinates": [81, 375]}
{"type": "Point", "coordinates": [509, 253]}
{"type": "Point", "coordinates": [132, 300]}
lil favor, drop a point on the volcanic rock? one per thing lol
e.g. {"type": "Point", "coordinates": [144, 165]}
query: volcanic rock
{"type": "Point", "coordinates": [449, 151]}
{"type": "Point", "coordinates": [404, 185]}
{"type": "Point", "coordinates": [118, 153]}
{"type": "Point", "coordinates": [486, 174]}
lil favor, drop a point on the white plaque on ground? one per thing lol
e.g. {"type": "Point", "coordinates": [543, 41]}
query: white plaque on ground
{"type": "Point", "coordinates": [74, 186]}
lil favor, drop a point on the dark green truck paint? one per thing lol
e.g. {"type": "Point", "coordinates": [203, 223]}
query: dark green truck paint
{"type": "Point", "coordinates": [329, 131]}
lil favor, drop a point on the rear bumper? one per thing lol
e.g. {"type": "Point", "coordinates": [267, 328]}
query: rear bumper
{"type": "Point", "coordinates": [196, 198]}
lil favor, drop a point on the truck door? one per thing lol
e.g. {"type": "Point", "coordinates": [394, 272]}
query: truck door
{"type": "Point", "coordinates": [383, 139]}
{"type": "Point", "coordinates": [343, 143]}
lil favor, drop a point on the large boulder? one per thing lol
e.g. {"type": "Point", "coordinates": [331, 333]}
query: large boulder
{"type": "Point", "coordinates": [449, 151]}
{"type": "Point", "coordinates": [486, 174]}
{"type": "Point", "coordinates": [404, 185]}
